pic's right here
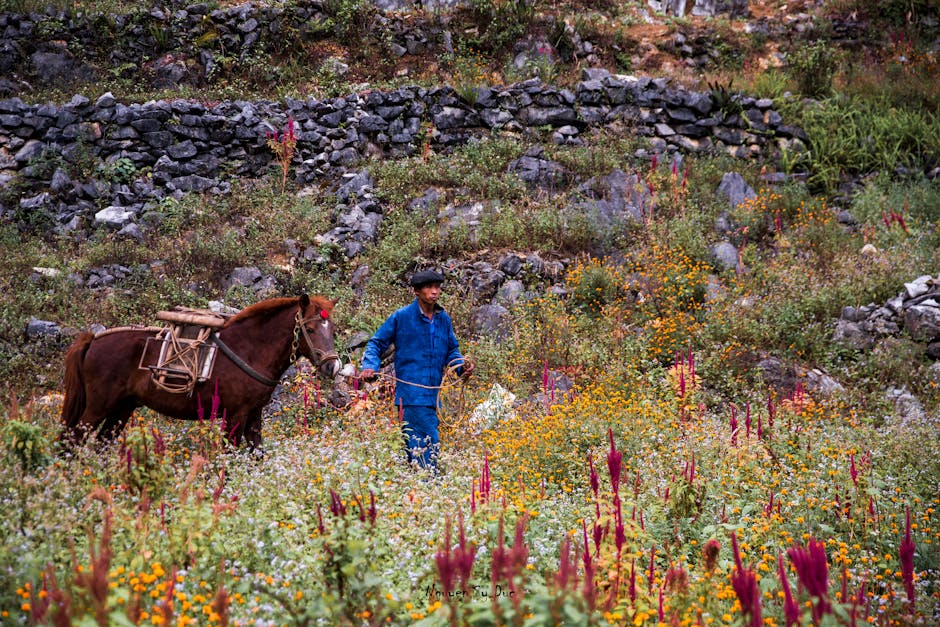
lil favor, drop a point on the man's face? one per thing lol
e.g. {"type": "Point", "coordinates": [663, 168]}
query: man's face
{"type": "Point", "coordinates": [428, 294]}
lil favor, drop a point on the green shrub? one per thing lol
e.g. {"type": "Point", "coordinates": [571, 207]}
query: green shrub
{"type": "Point", "coordinates": [813, 67]}
{"type": "Point", "coordinates": [144, 468]}
{"type": "Point", "coordinates": [501, 22]}
{"type": "Point", "coordinates": [27, 443]}
{"type": "Point", "coordinates": [121, 170]}
{"type": "Point", "coordinates": [596, 288]}
{"type": "Point", "coordinates": [348, 18]}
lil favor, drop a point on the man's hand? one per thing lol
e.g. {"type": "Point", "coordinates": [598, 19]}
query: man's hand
{"type": "Point", "coordinates": [467, 368]}
{"type": "Point", "coordinates": [367, 374]}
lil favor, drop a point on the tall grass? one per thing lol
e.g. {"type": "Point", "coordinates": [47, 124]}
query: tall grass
{"type": "Point", "coordinates": [855, 136]}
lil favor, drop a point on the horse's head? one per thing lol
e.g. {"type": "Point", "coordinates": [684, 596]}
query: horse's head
{"type": "Point", "coordinates": [314, 334]}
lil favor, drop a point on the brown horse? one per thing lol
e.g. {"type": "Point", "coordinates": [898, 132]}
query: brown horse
{"type": "Point", "coordinates": [104, 382]}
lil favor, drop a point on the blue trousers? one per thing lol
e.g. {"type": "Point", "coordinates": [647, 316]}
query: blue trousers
{"type": "Point", "coordinates": [422, 440]}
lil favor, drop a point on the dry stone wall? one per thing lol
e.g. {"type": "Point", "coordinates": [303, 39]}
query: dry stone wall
{"type": "Point", "coordinates": [76, 160]}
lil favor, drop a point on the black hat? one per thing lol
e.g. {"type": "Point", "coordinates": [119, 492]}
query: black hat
{"type": "Point", "coordinates": [424, 277]}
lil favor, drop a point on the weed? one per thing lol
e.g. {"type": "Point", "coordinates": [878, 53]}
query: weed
{"type": "Point", "coordinates": [283, 146]}
{"type": "Point", "coordinates": [724, 98]}
{"type": "Point", "coordinates": [813, 67]}
{"type": "Point", "coordinates": [500, 22]}
{"type": "Point", "coordinates": [862, 136]}
{"type": "Point", "coordinates": [26, 442]}
{"type": "Point", "coordinates": [348, 18]}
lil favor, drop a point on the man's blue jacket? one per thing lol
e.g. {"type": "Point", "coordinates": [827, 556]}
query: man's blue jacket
{"type": "Point", "coordinates": [423, 348]}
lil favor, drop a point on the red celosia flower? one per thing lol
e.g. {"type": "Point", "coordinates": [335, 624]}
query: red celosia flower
{"type": "Point", "coordinates": [677, 580]}
{"type": "Point", "coordinates": [734, 426]}
{"type": "Point", "coordinates": [614, 458]}
{"type": "Point", "coordinates": [812, 570]}
{"type": "Point", "coordinates": [589, 589]}
{"type": "Point", "coordinates": [567, 572]}
{"type": "Point", "coordinates": [744, 582]}
{"type": "Point", "coordinates": [791, 609]}
{"type": "Point", "coordinates": [336, 505]}
{"type": "Point", "coordinates": [446, 568]}
{"type": "Point", "coordinates": [906, 551]}
{"type": "Point", "coordinates": [710, 553]}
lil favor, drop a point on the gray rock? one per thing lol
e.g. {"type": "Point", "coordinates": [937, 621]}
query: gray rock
{"type": "Point", "coordinates": [820, 383]}
{"type": "Point", "coordinates": [918, 286]}
{"type": "Point", "coordinates": [908, 407]}
{"type": "Point", "coordinates": [243, 276]}
{"type": "Point", "coordinates": [725, 254]}
{"type": "Point", "coordinates": [510, 292]}
{"type": "Point", "coordinates": [923, 322]}
{"type": "Point", "coordinates": [614, 199]}
{"type": "Point", "coordinates": [37, 329]}
{"type": "Point", "coordinates": [538, 172]}
{"type": "Point", "coordinates": [511, 265]}
{"type": "Point", "coordinates": [491, 320]}
{"type": "Point", "coordinates": [735, 189]}
{"type": "Point", "coordinates": [852, 335]}
{"type": "Point", "coordinates": [114, 217]}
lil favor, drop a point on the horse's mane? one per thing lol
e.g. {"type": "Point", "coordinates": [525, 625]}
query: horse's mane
{"type": "Point", "coordinates": [267, 307]}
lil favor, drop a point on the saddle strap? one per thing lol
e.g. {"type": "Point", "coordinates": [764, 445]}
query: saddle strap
{"type": "Point", "coordinates": [238, 361]}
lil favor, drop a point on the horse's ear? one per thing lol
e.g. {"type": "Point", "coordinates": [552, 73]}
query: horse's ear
{"type": "Point", "coordinates": [334, 301]}
{"type": "Point", "coordinates": [304, 300]}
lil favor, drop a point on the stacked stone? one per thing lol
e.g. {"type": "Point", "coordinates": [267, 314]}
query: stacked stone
{"type": "Point", "coordinates": [915, 312]}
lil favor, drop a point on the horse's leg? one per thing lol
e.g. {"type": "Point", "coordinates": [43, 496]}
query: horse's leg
{"type": "Point", "coordinates": [253, 434]}
{"type": "Point", "coordinates": [91, 419]}
{"type": "Point", "coordinates": [115, 421]}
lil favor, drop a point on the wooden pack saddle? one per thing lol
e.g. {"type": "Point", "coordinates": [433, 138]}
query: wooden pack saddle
{"type": "Point", "coordinates": [179, 356]}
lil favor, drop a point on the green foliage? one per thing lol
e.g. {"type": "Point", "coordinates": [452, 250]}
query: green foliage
{"type": "Point", "coordinates": [595, 289]}
{"type": "Point", "coordinates": [500, 22]}
{"type": "Point", "coordinates": [469, 71]}
{"type": "Point", "coordinates": [862, 135]}
{"type": "Point", "coordinates": [894, 13]}
{"type": "Point", "coordinates": [254, 540]}
{"type": "Point", "coordinates": [724, 98]}
{"type": "Point", "coordinates": [27, 444]}
{"type": "Point", "coordinates": [121, 170]}
{"type": "Point", "coordinates": [348, 18]}
{"type": "Point", "coordinates": [478, 168]}
{"type": "Point", "coordinates": [813, 67]}
{"type": "Point", "coordinates": [145, 470]}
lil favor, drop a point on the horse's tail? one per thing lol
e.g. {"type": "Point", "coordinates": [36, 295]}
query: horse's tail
{"type": "Point", "coordinates": [74, 404]}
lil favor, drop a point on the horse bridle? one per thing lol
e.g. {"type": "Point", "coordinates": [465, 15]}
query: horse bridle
{"type": "Point", "coordinates": [300, 329]}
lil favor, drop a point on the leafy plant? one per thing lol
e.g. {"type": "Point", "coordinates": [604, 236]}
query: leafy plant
{"type": "Point", "coordinates": [121, 170]}
{"type": "Point", "coordinates": [143, 455]}
{"type": "Point", "coordinates": [861, 136]}
{"type": "Point", "coordinates": [283, 146]}
{"type": "Point", "coordinates": [724, 98]}
{"type": "Point", "coordinates": [813, 67]}
{"type": "Point", "coordinates": [348, 18]}
{"type": "Point", "coordinates": [500, 21]}
{"type": "Point", "coordinates": [27, 443]}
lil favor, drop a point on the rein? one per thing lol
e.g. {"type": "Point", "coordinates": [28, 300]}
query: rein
{"type": "Point", "coordinates": [449, 379]}
{"type": "Point", "coordinates": [300, 329]}
{"type": "Point", "coordinates": [241, 363]}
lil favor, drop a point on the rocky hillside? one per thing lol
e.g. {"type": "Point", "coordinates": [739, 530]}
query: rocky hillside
{"type": "Point", "coordinates": [113, 123]}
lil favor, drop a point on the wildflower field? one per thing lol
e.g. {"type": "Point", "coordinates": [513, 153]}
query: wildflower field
{"type": "Point", "coordinates": [617, 458]}
{"type": "Point", "coordinates": [667, 486]}
{"type": "Point", "coordinates": [634, 502]}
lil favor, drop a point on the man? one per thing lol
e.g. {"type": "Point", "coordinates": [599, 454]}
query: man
{"type": "Point", "coordinates": [425, 345]}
